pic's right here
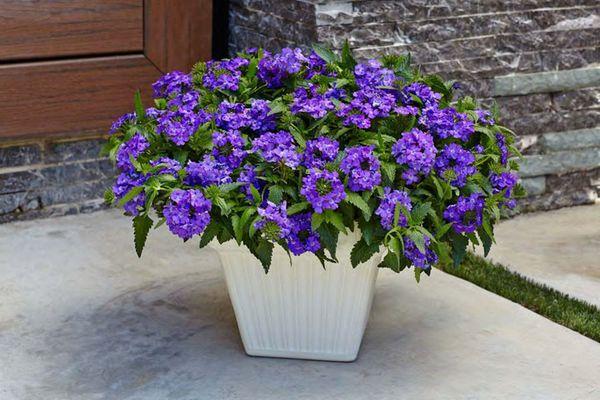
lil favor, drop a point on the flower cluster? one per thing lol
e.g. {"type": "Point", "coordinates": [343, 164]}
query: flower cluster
{"type": "Point", "coordinates": [298, 148]}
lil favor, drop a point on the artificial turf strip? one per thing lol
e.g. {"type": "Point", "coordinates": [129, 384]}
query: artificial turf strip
{"type": "Point", "coordinates": [575, 314]}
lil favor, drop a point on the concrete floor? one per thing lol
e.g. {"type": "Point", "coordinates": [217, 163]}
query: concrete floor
{"type": "Point", "coordinates": [560, 248]}
{"type": "Point", "coordinates": [82, 318]}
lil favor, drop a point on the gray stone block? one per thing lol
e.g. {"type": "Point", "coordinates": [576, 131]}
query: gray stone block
{"type": "Point", "coordinates": [560, 162]}
{"type": "Point", "coordinates": [534, 186]}
{"type": "Point", "coordinates": [73, 150]}
{"type": "Point", "coordinates": [545, 82]}
{"type": "Point", "coordinates": [15, 156]}
{"type": "Point", "coordinates": [578, 139]}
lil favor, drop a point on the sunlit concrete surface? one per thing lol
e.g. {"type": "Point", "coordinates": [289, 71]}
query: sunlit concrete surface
{"type": "Point", "coordinates": [82, 318]}
{"type": "Point", "coordinates": [560, 248]}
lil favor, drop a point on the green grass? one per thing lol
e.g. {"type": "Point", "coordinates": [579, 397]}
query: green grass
{"type": "Point", "coordinates": [575, 314]}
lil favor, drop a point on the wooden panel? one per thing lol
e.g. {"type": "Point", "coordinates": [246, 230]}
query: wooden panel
{"type": "Point", "coordinates": [32, 29]}
{"type": "Point", "coordinates": [76, 96]}
{"type": "Point", "coordinates": [177, 33]}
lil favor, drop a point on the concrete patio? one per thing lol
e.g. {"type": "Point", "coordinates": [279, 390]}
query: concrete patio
{"type": "Point", "coordinates": [82, 318]}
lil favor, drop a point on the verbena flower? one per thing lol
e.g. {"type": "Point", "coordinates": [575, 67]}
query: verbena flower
{"type": "Point", "coordinates": [236, 116]}
{"type": "Point", "coordinates": [249, 178]}
{"type": "Point", "coordinates": [501, 143]}
{"type": "Point", "coordinates": [122, 121]}
{"type": "Point", "coordinates": [274, 222]}
{"type": "Point", "coordinates": [273, 69]}
{"type": "Point", "coordinates": [225, 74]}
{"type": "Point", "coordinates": [180, 125]}
{"type": "Point", "coordinates": [207, 172]}
{"type": "Point", "coordinates": [172, 84]}
{"type": "Point", "coordinates": [455, 164]}
{"type": "Point", "coordinates": [132, 148]}
{"type": "Point", "coordinates": [444, 123]}
{"type": "Point", "coordinates": [362, 168]}
{"type": "Point", "coordinates": [372, 75]}
{"type": "Point", "coordinates": [427, 97]}
{"type": "Point", "coordinates": [277, 148]}
{"type": "Point", "coordinates": [302, 238]}
{"type": "Point", "coordinates": [366, 105]}
{"type": "Point", "coordinates": [466, 214]}
{"type": "Point", "coordinates": [416, 257]}
{"type": "Point", "coordinates": [323, 189]}
{"type": "Point", "coordinates": [310, 101]}
{"type": "Point", "coordinates": [320, 151]}
{"type": "Point", "coordinates": [259, 118]}
{"type": "Point", "coordinates": [415, 150]}
{"type": "Point", "coordinates": [123, 185]}
{"type": "Point", "coordinates": [485, 117]}
{"type": "Point", "coordinates": [505, 181]}
{"type": "Point", "coordinates": [167, 166]}
{"type": "Point", "coordinates": [316, 66]}
{"type": "Point", "coordinates": [387, 207]}
{"type": "Point", "coordinates": [229, 148]}
{"type": "Point", "coordinates": [187, 213]}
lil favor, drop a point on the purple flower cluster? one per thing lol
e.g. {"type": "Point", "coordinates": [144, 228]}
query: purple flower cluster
{"type": "Point", "coordinates": [172, 84]}
{"type": "Point", "coordinates": [446, 123]}
{"type": "Point", "coordinates": [310, 101]}
{"type": "Point", "coordinates": [501, 143]}
{"type": "Point", "coordinates": [249, 178]}
{"type": "Point", "coordinates": [187, 213]}
{"type": "Point", "coordinates": [277, 148]}
{"type": "Point", "coordinates": [485, 117]}
{"type": "Point", "coordinates": [320, 151]}
{"type": "Point", "coordinates": [323, 189]}
{"type": "Point", "coordinates": [166, 166]}
{"type": "Point", "coordinates": [273, 69]}
{"type": "Point", "coordinates": [225, 74]}
{"type": "Point", "coordinates": [366, 105]}
{"type": "Point", "coordinates": [416, 150]}
{"type": "Point", "coordinates": [455, 164]}
{"type": "Point", "coordinates": [207, 172]}
{"type": "Point", "coordinates": [237, 116]}
{"type": "Point", "coordinates": [427, 97]}
{"type": "Point", "coordinates": [316, 66]}
{"type": "Point", "coordinates": [228, 148]}
{"type": "Point", "coordinates": [504, 181]}
{"type": "Point", "coordinates": [132, 148]}
{"type": "Point", "coordinates": [466, 214]}
{"type": "Point", "coordinates": [181, 124]}
{"type": "Point", "coordinates": [301, 237]}
{"type": "Point", "coordinates": [124, 183]}
{"type": "Point", "coordinates": [274, 223]}
{"type": "Point", "coordinates": [418, 258]}
{"type": "Point", "coordinates": [372, 75]}
{"type": "Point", "coordinates": [387, 207]}
{"type": "Point", "coordinates": [362, 168]}
{"type": "Point", "coordinates": [123, 120]}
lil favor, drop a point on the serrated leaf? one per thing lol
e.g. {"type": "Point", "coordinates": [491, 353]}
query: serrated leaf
{"type": "Point", "coordinates": [130, 195]}
{"type": "Point", "coordinates": [392, 262]}
{"type": "Point", "coordinates": [109, 196]}
{"type": "Point", "coordinates": [326, 54]}
{"type": "Point", "coordinates": [209, 233]}
{"type": "Point", "coordinates": [419, 212]}
{"type": "Point", "coordinates": [329, 238]}
{"type": "Point", "coordinates": [297, 207]}
{"type": "Point", "coordinates": [139, 106]}
{"type": "Point", "coordinates": [264, 253]}
{"type": "Point", "coordinates": [459, 248]}
{"type": "Point", "coordinates": [348, 60]}
{"type": "Point", "coordinates": [355, 199]}
{"type": "Point", "coordinates": [389, 170]}
{"type": "Point", "coordinates": [316, 221]}
{"type": "Point", "coordinates": [362, 252]}
{"type": "Point", "coordinates": [255, 194]}
{"type": "Point", "coordinates": [419, 240]}
{"type": "Point", "coordinates": [275, 194]}
{"type": "Point", "coordinates": [141, 227]}
{"type": "Point", "coordinates": [336, 220]}
{"type": "Point", "coordinates": [418, 274]}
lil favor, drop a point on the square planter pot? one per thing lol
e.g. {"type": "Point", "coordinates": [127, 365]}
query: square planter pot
{"type": "Point", "coordinates": [300, 310]}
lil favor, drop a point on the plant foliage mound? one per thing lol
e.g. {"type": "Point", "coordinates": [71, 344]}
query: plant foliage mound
{"type": "Point", "coordinates": [294, 148]}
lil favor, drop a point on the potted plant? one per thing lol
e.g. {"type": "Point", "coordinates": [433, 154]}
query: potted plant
{"type": "Point", "coordinates": [308, 171]}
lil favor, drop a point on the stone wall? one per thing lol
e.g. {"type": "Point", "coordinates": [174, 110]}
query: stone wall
{"type": "Point", "coordinates": [538, 59]}
{"type": "Point", "coordinates": [48, 178]}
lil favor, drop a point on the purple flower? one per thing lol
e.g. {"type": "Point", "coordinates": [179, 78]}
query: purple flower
{"type": "Point", "coordinates": [132, 148]}
{"type": "Point", "coordinates": [185, 101]}
{"type": "Point", "coordinates": [172, 84]}
{"type": "Point", "coordinates": [124, 183]}
{"type": "Point", "coordinates": [274, 223]}
{"type": "Point", "coordinates": [310, 101]}
{"type": "Point", "coordinates": [259, 118]}
{"type": "Point", "coordinates": [181, 124]}
{"type": "Point", "coordinates": [478, 149]}
{"type": "Point", "coordinates": [323, 189]}
{"type": "Point", "coordinates": [316, 66]}
{"type": "Point", "coordinates": [501, 143]}
{"type": "Point", "coordinates": [362, 168]}
{"type": "Point", "coordinates": [236, 116]}
{"type": "Point", "coordinates": [504, 181]}
{"type": "Point", "coordinates": [372, 75]}
{"type": "Point", "coordinates": [416, 150]}
{"type": "Point", "coordinates": [274, 68]}
{"type": "Point", "coordinates": [187, 213]}
{"type": "Point", "coordinates": [229, 148]}
{"type": "Point", "coordinates": [277, 148]}
{"type": "Point", "coordinates": [248, 177]}
{"type": "Point", "coordinates": [224, 74]}
{"type": "Point", "coordinates": [423, 92]}
{"type": "Point", "coordinates": [485, 117]}
{"type": "Point", "coordinates": [387, 207]}
{"type": "Point", "coordinates": [125, 119]}
{"type": "Point", "coordinates": [455, 164]}
{"type": "Point", "coordinates": [207, 172]}
{"type": "Point", "coordinates": [301, 237]}
{"type": "Point", "coordinates": [418, 258]}
{"type": "Point", "coordinates": [320, 151]}
{"type": "Point", "coordinates": [167, 165]}
{"type": "Point", "coordinates": [447, 123]}
{"type": "Point", "coordinates": [366, 105]}
{"type": "Point", "coordinates": [466, 214]}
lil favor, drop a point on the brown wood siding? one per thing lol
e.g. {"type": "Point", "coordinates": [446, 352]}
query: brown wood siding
{"type": "Point", "coordinates": [75, 96]}
{"type": "Point", "coordinates": [57, 28]}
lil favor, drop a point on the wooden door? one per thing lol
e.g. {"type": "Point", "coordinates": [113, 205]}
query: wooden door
{"type": "Point", "coordinates": [70, 67]}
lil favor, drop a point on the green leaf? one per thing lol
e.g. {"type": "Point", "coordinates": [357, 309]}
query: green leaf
{"type": "Point", "coordinates": [443, 229]}
{"type": "Point", "coordinates": [326, 54]}
{"type": "Point", "coordinates": [109, 196]}
{"type": "Point", "coordinates": [316, 221]}
{"type": "Point", "coordinates": [228, 187]}
{"type": "Point", "coordinates": [389, 170]}
{"type": "Point", "coordinates": [418, 274]}
{"type": "Point", "coordinates": [275, 194]}
{"type": "Point", "coordinates": [329, 238]}
{"type": "Point", "coordinates": [297, 207]}
{"type": "Point", "coordinates": [348, 60]}
{"type": "Point", "coordinates": [336, 220]}
{"type": "Point", "coordinates": [255, 194]}
{"type": "Point", "coordinates": [130, 195]}
{"type": "Point", "coordinates": [139, 106]}
{"type": "Point", "coordinates": [141, 227]}
{"type": "Point", "coordinates": [419, 240]}
{"type": "Point", "coordinates": [264, 252]}
{"type": "Point", "coordinates": [209, 233]}
{"type": "Point", "coordinates": [459, 248]}
{"type": "Point", "coordinates": [355, 199]}
{"type": "Point", "coordinates": [393, 262]}
{"type": "Point", "coordinates": [237, 229]}
{"type": "Point", "coordinates": [297, 134]}
{"type": "Point", "coordinates": [419, 212]}
{"type": "Point", "coordinates": [245, 218]}
{"type": "Point", "coordinates": [486, 241]}
{"type": "Point", "coordinates": [362, 252]}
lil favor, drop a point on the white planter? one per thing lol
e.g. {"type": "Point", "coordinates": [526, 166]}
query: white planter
{"type": "Point", "coordinates": [302, 310]}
